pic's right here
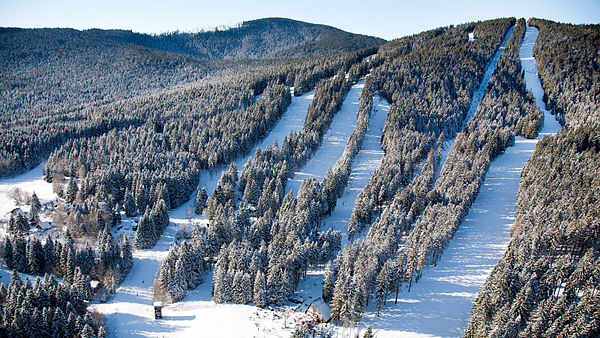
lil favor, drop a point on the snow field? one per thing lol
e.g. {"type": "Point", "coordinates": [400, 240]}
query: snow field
{"type": "Point", "coordinates": [440, 303]}
{"type": "Point", "coordinates": [334, 141]}
{"type": "Point", "coordinates": [28, 182]}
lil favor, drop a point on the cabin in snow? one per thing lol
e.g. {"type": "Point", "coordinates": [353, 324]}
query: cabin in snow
{"type": "Point", "coordinates": [44, 226]}
{"type": "Point", "coordinates": [319, 311]}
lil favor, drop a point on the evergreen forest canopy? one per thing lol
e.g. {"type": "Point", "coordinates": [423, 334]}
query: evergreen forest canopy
{"type": "Point", "coordinates": [126, 123]}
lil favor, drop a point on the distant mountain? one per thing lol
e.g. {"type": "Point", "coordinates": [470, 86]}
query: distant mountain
{"type": "Point", "coordinates": [272, 37]}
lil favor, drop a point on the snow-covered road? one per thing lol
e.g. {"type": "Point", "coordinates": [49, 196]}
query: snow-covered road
{"type": "Point", "coordinates": [440, 303]}
{"type": "Point", "coordinates": [129, 312]}
{"type": "Point", "coordinates": [334, 141]}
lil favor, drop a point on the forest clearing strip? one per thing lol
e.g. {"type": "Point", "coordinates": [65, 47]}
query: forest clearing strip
{"type": "Point", "coordinates": [334, 141]}
{"type": "Point", "coordinates": [476, 99]}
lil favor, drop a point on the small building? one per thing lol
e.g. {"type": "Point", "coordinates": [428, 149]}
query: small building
{"type": "Point", "coordinates": [158, 310]}
{"type": "Point", "coordinates": [44, 226]}
{"type": "Point", "coordinates": [319, 311]}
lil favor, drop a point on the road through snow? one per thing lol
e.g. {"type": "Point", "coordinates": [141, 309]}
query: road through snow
{"type": "Point", "coordinates": [440, 303]}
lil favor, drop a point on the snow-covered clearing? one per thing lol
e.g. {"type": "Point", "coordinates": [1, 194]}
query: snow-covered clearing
{"type": "Point", "coordinates": [28, 182]}
{"type": "Point", "coordinates": [477, 96]}
{"type": "Point", "coordinates": [440, 303]}
{"type": "Point", "coordinates": [130, 313]}
{"type": "Point", "coordinates": [364, 164]}
{"type": "Point", "coordinates": [334, 141]}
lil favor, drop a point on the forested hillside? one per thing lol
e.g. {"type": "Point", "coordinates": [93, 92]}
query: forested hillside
{"type": "Point", "coordinates": [131, 129]}
{"type": "Point", "coordinates": [51, 78]}
{"type": "Point", "coordinates": [546, 283]}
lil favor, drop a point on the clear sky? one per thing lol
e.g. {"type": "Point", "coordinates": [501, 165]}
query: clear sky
{"type": "Point", "coordinates": [383, 18]}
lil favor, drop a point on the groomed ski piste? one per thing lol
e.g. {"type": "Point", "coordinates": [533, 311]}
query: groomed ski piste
{"type": "Point", "coordinates": [334, 142]}
{"type": "Point", "coordinates": [440, 303]}
{"type": "Point", "coordinates": [364, 165]}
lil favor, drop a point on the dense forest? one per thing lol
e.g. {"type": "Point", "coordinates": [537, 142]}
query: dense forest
{"type": "Point", "coordinates": [54, 80]}
{"type": "Point", "coordinates": [546, 283]}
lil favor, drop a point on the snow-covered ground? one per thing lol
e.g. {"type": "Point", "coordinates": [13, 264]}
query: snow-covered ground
{"type": "Point", "coordinates": [439, 305]}
{"type": "Point", "coordinates": [334, 141]}
{"type": "Point", "coordinates": [28, 182]}
{"type": "Point", "coordinates": [364, 164]}
{"type": "Point", "coordinates": [130, 313]}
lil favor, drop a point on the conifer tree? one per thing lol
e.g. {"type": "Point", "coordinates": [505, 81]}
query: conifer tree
{"type": "Point", "coordinates": [71, 191]}
{"type": "Point", "coordinates": [200, 203]}
{"type": "Point", "coordinates": [260, 290]}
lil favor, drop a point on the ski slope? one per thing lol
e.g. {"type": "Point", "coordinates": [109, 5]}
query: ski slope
{"type": "Point", "coordinates": [477, 96]}
{"type": "Point", "coordinates": [364, 164]}
{"type": "Point", "coordinates": [439, 305]}
{"type": "Point", "coordinates": [291, 121]}
{"type": "Point", "coordinates": [129, 312]}
{"type": "Point", "coordinates": [334, 142]}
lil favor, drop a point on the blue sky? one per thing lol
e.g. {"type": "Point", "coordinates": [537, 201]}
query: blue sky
{"type": "Point", "coordinates": [383, 18]}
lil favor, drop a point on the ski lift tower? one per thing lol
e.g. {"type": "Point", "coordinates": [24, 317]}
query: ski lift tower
{"type": "Point", "coordinates": [158, 310]}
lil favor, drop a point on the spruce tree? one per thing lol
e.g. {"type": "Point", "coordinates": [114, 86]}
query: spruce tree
{"type": "Point", "coordinates": [71, 191]}
{"type": "Point", "coordinates": [7, 253]}
{"type": "Point", "coordinates": [260, 290]}
{"type": "Point", "coordinates": [328, 282]}
{"type": "Point", "coordinates": [200, 202]}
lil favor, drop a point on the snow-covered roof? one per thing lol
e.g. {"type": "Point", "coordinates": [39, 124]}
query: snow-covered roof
{"type": "Point", "coordinates": [45, 226]}
{"type": "Point", "coordinates": [158, 304]}
{"type": "Point", "coordinates": [94, 283]}
{"type": "Point", "coordinates": [322, 308]}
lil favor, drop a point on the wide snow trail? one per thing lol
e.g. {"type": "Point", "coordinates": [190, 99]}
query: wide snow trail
{"type": "Point", "coordinates": [440, 303]}
{"type": "Point", "coordinates": [477, 96]}
{"type": "Point", "coordinates": [129, 312]}
{"type": "Point", "coordinates": [334, 142]}
{"type": "Point", "coordinates": [364, 164]}
{"type": "Point", "coordinates": [291, 121]}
